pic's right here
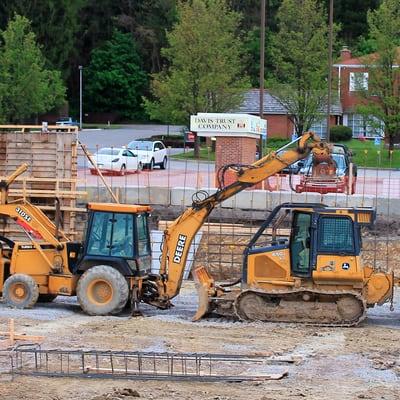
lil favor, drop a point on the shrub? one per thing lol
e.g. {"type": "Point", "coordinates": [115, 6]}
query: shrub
{"type": "Point", "coordinates": [276, 142]}
{"type": "Point", "coordinates": [340, 133]}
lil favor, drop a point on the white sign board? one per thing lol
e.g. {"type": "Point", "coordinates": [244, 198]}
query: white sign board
{"type": "Point", "coordinates": [220, 124]}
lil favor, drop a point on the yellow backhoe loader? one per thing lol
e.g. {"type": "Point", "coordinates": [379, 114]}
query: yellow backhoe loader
{"type": "Point", "coordinates": [314, 275]}
{"type": "Point", "coordinates": [101, 271]}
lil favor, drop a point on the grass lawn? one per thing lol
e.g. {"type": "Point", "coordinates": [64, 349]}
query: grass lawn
{"type": "Point", "coordinates": [367, 154]}
{"type": "Point", "coordinates": [205, 155]}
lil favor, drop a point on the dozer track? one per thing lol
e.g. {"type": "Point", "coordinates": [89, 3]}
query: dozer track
{"type": "Point", "coordinates": [312, 307]}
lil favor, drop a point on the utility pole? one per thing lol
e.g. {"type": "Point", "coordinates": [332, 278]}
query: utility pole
{"type": "Point", "coordinates": [262, 65]}
{"type": "Point", "coordinates": [80, 96]}
{"type": "Point", "coordinates": [330, 33]}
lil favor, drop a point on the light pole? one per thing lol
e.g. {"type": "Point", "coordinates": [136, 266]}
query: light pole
{"type": "Point", "coordinates": [330, 33]}
{"type": "Point", "coordinates": [80, 96]}
{"type": "Point", "coordinates": [262, 66]}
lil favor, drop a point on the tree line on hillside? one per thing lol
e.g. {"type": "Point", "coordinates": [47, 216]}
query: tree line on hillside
{"type": "Point", "coordinates": [167, 59]}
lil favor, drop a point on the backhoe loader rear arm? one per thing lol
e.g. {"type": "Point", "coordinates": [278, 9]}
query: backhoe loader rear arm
{"type": "Point", "coordinates": [28, 216]}
{"type": "Point", "coordinates": [179, 235]}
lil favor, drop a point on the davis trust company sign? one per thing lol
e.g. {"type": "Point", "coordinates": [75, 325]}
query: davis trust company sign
{"type": "Point", "coordinates": [216, 124]}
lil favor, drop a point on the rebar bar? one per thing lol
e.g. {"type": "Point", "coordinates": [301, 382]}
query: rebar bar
{"type": "Point", "coordinates": [35, 361]}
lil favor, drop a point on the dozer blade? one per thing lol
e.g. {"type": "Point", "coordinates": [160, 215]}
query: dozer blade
{"type": "Point", "coordinates": [204, 283]}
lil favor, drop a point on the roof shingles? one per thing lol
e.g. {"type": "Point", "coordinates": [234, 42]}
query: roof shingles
{"type": "Point", "coordinates": [251, 104]}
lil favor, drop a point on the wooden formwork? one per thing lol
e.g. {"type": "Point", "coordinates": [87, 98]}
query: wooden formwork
{"type": "Point", "coordinates": [51, 154]}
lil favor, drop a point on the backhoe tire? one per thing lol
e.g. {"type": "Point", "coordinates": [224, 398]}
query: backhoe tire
{"type": "Point", "coordinates": [46, 298]}
{"type": "Point", "coordinates": [20, 291]}
{"type": "Point", "coordinates": [102, 290]}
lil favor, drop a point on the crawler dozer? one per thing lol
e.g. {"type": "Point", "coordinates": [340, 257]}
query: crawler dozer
{"type": "Point", "coordinates": [303, 265]}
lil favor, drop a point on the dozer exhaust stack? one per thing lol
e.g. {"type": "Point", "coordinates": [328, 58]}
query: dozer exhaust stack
{"type": "Point", "coordinates": [205, 287]}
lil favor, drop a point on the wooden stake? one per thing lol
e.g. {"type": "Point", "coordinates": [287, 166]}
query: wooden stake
{"type": "Point", "coordinates": [13, 337]}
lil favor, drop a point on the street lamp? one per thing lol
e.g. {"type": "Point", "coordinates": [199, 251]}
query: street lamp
{"type": "Point", "coordinates": [262, 66]}
{"type": "Point", "coordinates": [330, 39]}
{"type": "Point", "coordinates": [80, 96]}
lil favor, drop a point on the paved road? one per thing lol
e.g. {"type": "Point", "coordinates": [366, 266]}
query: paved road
{"type": "Point", "coordinates": [121, 137]}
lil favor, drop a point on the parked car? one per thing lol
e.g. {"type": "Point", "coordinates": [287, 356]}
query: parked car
{"type": "Point", "coordinates": [67, 121]}
{"type": "Point", "coordinates": [117, 161]}
{"type": "Point", "coordinates": [150, 153]}
{"type": "Point", "coordinates": [338, 183]}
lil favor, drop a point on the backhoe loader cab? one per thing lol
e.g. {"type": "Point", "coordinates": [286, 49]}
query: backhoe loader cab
{"type": "Point", "coordinates": [117, 235]}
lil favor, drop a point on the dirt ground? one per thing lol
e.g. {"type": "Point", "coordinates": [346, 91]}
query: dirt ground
{"type": "Point", "coordinates": [338, 363]}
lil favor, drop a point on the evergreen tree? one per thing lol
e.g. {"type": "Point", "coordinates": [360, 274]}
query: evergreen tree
{"type": "Point", "coordinates": [115, 80]}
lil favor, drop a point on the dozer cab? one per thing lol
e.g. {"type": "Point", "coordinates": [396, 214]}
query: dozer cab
{"type": "Point", "coordinates": [102, 271]}
{"type": "Point", "coordinates": [303, 265]}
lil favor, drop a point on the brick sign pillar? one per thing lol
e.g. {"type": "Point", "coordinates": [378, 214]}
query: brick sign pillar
{"type": "Point", "coordinates": [233, 150]}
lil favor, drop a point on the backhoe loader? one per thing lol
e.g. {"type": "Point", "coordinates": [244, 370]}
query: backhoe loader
{"type": "Point", "coordinates": [314, 276]}
{"type": "Point", "coordinates": [101, 271]}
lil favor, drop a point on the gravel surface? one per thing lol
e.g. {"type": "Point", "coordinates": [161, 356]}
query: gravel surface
{"type": "Point", "coordinates": [338, 363]}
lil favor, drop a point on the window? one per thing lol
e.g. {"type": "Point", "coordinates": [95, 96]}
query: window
{"type": "Point", "coordinates": [158, 146]}
{"type": "Point", "coordinates": [358, 81]}
{"type": "Point", "coordinates": [127, 153]}
{"type": "Point", "coordinates": [336, 235]}
{"type": "Point", "coordinates": [111, 235]}
{"type": "Point", "coordinates": [365, 126]}
{"type": "Point", "coordinates": [300, 243]}
{"type": "Point", "coordinates": [137, 145]}
{"type": "Point", "coordinates": [99, 240]}
{"type": "Point", "coordinates": [142, 235]}
{"type": "Point", "coordinates": [122, 236]}
{"type": "Point", "coordinates": [319, 128]}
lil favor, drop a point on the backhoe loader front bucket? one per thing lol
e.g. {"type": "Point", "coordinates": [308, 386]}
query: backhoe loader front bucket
{"type": "Point", "coordinates": [204, 285]}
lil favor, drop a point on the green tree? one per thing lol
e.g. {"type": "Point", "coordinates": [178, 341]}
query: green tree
{"type": "Point", "coordinates": [205, 68]}
{"type": "Point", "coordinates": [382, 97]}
{"type": "Point", "coordinates": [27, 87]}
{"type": "Point", "coordinates": [300, 59]}
{"type": "Point", "coordinates": [115, 80]}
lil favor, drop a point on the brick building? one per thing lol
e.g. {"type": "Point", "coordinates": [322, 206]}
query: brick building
{"type": "Point", "coordinates": [278, 119]}
{"type": "Point", "coordinates": [352, 76]}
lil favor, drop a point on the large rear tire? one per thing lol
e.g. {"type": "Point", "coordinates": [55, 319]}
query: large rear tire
{"type": "Point", "coordinates": [20, 291]}
{"type": "Point", "coordinates": [102, 290]}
